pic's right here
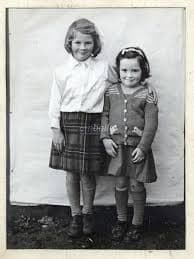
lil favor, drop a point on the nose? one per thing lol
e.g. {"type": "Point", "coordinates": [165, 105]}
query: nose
{"type": "Point", "coordinates": [129, 74]}
{"type": "Point", "coordinates": [82, 46]}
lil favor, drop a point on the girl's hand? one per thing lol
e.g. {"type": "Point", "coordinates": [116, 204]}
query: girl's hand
{"type": "Point", "coordinates": [152, 91]}
{"type": "Point", "coordinates": [137, 155]}
{"type": "Point", "coordinates": [110, 146]}
{"type": "Point", "coordinates": [58, 139]}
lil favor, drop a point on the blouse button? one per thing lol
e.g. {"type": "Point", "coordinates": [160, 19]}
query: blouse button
{"type": "Point", "coordinates": [125, 110]}
{"type": "Point", "coordinates": [125, 135]}
{"type": "Point", "coordinates": [125, 119]}
{"type": "Point", "coordinates": [125, 100]}
{"type": "Point", "coordinates": [125, 127]}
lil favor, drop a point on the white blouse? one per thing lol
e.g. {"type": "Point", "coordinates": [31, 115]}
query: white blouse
{"type": "Point", "coordinates": [79, 87]}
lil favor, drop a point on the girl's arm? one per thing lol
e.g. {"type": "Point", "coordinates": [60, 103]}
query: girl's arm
{"type": "Point", "coordinates": [152, 92]}
{"type": "Point", "coordinates": [112, 75]}
{"type": "Point", "coordinates": [109, 144]}
{"type": "Point", "coordinates": [151, 125]}
{"type": "Point", "coordinates": [105, 117]}
{"type": "Point", "coordinates": [54, 104]}
{"type": "Point", "coordinates": [58, 139]}
{"type": "Point", "coordinates": [54, 115]}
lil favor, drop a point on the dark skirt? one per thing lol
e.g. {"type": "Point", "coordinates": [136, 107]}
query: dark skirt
{"type": "Point", "coordinates": [122, 165]}
{"type": "Point", "coordinates": [83, 152]}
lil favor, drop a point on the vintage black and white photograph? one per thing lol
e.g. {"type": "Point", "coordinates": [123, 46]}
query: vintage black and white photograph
{"type": "Point", "coordinates": [95, 115]}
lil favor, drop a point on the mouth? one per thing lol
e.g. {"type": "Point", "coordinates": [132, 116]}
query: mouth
{"type": "Point", "coordinates": [130, 79]}
{"type": "Point", "coordinates": [83, 52]}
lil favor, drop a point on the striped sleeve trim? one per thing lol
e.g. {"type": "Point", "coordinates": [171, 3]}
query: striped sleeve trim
{"type": "Point", "coordinates": [113, 90]}
{"type": "Point", "coordinates": [145, 95]}
{"type": "Point", "coordinates": [150, 98]}
{"type": "Point", "coordinates": [142, 94]}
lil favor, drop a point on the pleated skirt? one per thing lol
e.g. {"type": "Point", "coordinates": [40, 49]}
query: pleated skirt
{"type": "Point", "coordinates": [83, 152]}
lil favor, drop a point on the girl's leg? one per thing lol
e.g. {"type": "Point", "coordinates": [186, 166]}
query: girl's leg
{"type": "Point", "coordinates": [121, 197]}
{"type": "Point", "coordinates": [138, 193]}
{"type": "Point", "coordinates": [139, 198]}
{"type": "Point", "coordinates": [73, 193]}
{"type": "Point", "coordinates": [88, 193]}
{"type": "Point", "coordinates": [88, 184]}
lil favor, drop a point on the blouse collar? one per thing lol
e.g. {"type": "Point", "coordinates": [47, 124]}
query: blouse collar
{"type": "Point", "coordinates": [73, 62]}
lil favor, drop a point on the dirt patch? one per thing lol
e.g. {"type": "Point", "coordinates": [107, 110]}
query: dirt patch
{"type": "Point", "coordinates": [44, 227]}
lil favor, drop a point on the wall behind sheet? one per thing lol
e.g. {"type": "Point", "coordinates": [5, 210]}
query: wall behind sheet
{"type": "Point", "coordinates": [36, 48]}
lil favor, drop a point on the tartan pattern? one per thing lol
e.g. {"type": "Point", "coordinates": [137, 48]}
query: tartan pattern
{"type": "Point", "coordinates": [83, 150]}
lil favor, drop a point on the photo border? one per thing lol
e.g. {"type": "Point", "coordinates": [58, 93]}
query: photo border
{"type": "Point", "coordinates": [189, 127]}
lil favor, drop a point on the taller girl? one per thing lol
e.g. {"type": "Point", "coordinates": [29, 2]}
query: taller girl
{"type": "Point", "coordinates": [76, 103]}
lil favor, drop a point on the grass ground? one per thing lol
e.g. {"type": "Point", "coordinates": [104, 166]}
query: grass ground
{"type": "Point", "coordinates": [44, 227]}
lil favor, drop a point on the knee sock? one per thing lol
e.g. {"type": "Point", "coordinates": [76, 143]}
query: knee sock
{"type": "Point", "coordinates": [88, 184]}
{"type": "Point", "coordinates": [121, 197]}
{"type": "Point", "coordinates": [139, 199]}
{"type": "Point", "coordinates": [73, 192]}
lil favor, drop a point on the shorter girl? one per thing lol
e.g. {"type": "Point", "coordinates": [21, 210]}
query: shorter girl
{"type": "Point", "coordinates": [129, 124]}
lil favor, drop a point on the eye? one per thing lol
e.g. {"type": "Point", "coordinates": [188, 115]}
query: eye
{"type": "Point", "coordinates": [124, 70]}
{"type": "Point", "coordinates": [77, 42]}
{"type": "Point", "coordinates": [135, 70]}
{"type": "Point", "coordinates": [88, 43]}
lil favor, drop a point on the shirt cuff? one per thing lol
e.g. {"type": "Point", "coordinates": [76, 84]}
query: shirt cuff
{"type": "Point", "coordinates": [55, 123]}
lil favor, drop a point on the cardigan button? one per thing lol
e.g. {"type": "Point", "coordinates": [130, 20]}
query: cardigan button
{"type": "Point", "coordinates": [125, 100]}
{"type": "Point", "coordinates": [125, 119]}
{"type": "Point", "coordinates": [125, 110]}
{"type": "Point", "coordinates": [125, 135]}
{"type": "Point", "coordinates": [126, 128]}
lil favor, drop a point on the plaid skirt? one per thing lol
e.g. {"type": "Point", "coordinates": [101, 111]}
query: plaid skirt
{"type": "Point", "coordinates": [83, 152]}
{"type": "Point", "coordinates": [122, 165]}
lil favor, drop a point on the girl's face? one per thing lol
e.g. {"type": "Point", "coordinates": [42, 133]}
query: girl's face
{"type": "Point", "coordinates": [130, 72]}
{"type": "Point", "coordinates": [82, 46]}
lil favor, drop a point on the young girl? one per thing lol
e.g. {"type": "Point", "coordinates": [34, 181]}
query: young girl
{"type": "Point", "coordinates": [129, 124]}
{"type": "Point", "coordinates": [76, 104]}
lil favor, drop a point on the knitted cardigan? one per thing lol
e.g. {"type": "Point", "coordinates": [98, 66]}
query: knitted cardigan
{"type": "Point", "coordinates": [130, 119]}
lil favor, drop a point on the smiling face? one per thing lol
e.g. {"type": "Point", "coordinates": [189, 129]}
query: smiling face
{"type": "Point", "coordinates": [82, 46]}
{"type": "Point", "coordinates": [130, 72]}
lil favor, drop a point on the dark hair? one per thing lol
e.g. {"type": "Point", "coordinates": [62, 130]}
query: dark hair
{"type": "Point", "coordinates": [86, 27]}
{"type": "Point", "coordinates": [134, 52]}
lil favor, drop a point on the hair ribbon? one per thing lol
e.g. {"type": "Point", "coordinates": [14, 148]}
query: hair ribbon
{"type": "Point", "coordinates": [132, 49]}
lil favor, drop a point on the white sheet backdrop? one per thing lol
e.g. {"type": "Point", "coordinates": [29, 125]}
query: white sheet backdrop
{"type": "Point", "coordinates": [36, 47]}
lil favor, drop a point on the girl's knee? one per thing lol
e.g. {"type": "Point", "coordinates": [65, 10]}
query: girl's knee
{"type": "Point", "coordinates": [72, 177]}
{"type": "Point", "coordinates": [136, 186]}
{"type": "Point", "coordinates": [88, 182]}
{"type": "Point", "coordinates": [121, 183]}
